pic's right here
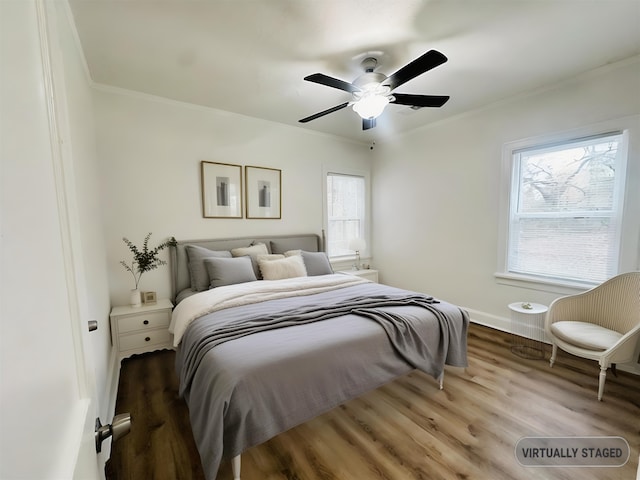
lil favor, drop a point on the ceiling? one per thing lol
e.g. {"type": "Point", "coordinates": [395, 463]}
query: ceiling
{"type": "Point", "coordinates": [250, 56]}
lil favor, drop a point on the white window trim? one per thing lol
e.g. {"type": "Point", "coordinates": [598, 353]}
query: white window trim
{"type": "Point", "coordinates": [629, 252]}
{"type": "Point", "coordinates": [340, 170]}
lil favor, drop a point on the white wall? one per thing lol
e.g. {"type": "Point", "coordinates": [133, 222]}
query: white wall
{"type": "Point", "coordinates": [437, 189]}
{"type": "Point", "coordinates": [150, 151]}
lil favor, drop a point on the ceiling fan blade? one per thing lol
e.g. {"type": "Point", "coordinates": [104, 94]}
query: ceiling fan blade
{"type": "Point", "coordinates": [323, 79]}
{"type": "Point", "coordinates": [324, 112]}
{"type": "Point", "coordinates": [368, 123]}
{"type": "Point", "coordinates": [420, 100]}
{"type": "Point", "coordinates": [422, 64]}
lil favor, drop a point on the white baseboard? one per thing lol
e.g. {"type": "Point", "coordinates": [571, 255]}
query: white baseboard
{"type": "Point", "coordinates": [488, 320]}
{"type": "Point", "coordinates": [506, 325]}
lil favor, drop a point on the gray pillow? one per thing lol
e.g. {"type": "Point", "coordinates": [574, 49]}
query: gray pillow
{"type": "Point", "coordinates": [253, 251]}
{"type": "Point", "coordinates": [197, 271]}
{"type": "Point", "coordinates": [317, 263]}
{"type": "Point", "coordinates": [229, 271]}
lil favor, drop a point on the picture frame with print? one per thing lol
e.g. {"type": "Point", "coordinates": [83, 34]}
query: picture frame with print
{"type": "Point", "coordinates": [263, 191]}
{"type": "Point", "coordinates": [221, 190]}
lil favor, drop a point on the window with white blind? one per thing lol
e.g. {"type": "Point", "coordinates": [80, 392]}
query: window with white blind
{"type": "Point", "coordinates": [346, 209]}
{"type": "Point", "coordinates": [565, 209]}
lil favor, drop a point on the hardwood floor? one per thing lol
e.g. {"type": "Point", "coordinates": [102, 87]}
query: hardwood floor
{"type": "Point", "coordinates": [405, 430]}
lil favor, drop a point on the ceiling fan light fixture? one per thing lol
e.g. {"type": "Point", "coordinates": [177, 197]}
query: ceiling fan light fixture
{"type": "Point", "coordinates": [373, 91]}
{"type": "Point", "coordinates": [371, 106]}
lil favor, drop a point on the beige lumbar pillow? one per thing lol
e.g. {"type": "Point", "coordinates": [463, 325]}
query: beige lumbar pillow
{"type": "Point", "coordinates": [280, 268]}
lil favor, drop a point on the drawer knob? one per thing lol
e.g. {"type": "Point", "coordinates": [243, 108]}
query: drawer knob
{"type": "Point", "coordinates": [147, 339]}
{"type": "Point", "coordinates": [146, 322]}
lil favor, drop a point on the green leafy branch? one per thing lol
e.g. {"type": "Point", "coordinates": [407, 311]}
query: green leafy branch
{"type": "Point", "coordinates": [145, 259]}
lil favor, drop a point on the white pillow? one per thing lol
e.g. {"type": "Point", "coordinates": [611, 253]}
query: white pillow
{"type": "Point", "coordinates": [288, 267]}
{"type": "Point", "coordinates": [270, 256]}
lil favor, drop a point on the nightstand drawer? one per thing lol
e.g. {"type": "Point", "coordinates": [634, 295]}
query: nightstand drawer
{"type": "Point", "coordinates": [144, 339]}
{"type": "Point", "coordinates": [143, 321]}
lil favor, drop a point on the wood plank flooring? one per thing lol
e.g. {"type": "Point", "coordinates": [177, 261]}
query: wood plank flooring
{"type": "Point", "coordinates": [406, 430]}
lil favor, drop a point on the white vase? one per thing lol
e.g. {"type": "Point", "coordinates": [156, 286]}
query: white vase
{"type": "Point", "coordinates": [135, 298]}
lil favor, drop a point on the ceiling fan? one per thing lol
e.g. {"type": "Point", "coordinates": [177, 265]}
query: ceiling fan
{"type": "Point", "coordinates": [372, 90]}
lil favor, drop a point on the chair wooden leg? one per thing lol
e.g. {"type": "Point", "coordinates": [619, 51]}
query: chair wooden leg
{"type": "Point", "coordinates": [603, 376]}
{"type": "Point", "coordinates": [554, 352]}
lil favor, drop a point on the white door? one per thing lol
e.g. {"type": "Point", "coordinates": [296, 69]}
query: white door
{"type": "Point", "coordinates": [77, 182]}
{"type": "Point", "coordinates": [47, 383]}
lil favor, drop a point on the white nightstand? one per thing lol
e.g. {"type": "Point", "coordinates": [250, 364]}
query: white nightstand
{"type": "Point", "coordinates": [368, 273]}
{"type": "Point", "coordinates": [141, 329]}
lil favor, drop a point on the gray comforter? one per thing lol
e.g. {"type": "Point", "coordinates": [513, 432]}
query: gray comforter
{"type": "Point", "coordinates": [253, 371]}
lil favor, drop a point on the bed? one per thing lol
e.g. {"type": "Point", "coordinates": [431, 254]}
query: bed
{"type": "Point", "coordinates": [268, 336]}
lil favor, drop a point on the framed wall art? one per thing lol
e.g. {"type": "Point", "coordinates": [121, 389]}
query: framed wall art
{"type": "Point", "coordinates": [263, 192]}
{"type": "Point", "coordinates": [221, 190]}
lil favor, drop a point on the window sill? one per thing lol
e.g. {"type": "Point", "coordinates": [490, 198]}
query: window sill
{"type": "Point", "coordinates": [542, 284]}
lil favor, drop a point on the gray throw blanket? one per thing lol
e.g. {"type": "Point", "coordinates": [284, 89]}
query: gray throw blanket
{"type": "Point", "coordinates": [403, 336]}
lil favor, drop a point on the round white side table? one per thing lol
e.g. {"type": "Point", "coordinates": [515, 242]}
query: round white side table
{"type": "Point", "coordinates": [527, 329]}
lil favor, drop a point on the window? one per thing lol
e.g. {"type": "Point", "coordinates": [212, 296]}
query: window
{"type": "Point", "coordinates": [565, 209]}
{"type": "Point", "coordinates": [346, 212]}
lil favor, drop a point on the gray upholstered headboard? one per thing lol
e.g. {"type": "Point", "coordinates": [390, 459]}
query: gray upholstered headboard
{"type": "Point", "coordinates": [180, 280]}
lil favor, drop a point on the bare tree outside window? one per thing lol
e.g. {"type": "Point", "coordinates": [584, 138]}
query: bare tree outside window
{"type": "Point", "coordinates": [564, 213]}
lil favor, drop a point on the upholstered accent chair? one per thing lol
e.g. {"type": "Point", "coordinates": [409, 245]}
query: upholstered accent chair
{"type": "Point", "coordinates": [601, 324]}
